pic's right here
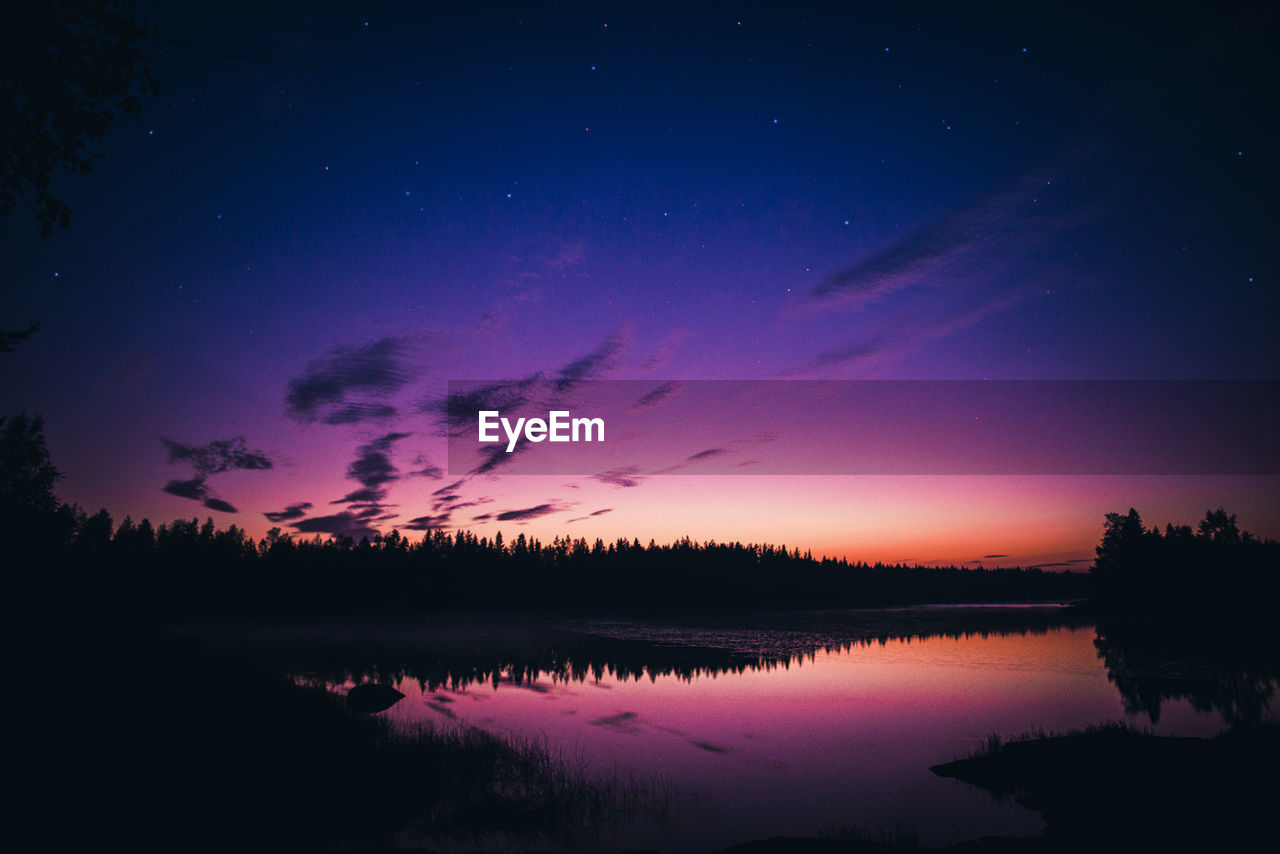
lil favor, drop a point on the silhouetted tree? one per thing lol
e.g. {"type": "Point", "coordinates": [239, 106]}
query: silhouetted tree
{"type": "Point", "coordinates": [1220, 527]}
{"type": "Point", "coordinates": [27, 475]}
{"type": "Point", "coordinates": [1217, 570]}
{"type": "Point", "coordinates": [67, 68]}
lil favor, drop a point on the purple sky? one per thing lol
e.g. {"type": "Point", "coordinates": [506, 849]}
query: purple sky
{"type": "Point", "coordinates": [302, 254]}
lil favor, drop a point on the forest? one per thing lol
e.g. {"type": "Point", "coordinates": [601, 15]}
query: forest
{"type": "Point", "coordinates": [186, 569]}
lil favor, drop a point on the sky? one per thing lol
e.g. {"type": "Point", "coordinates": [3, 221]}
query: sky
{"type": "Point", "coordinates": [270, 279]}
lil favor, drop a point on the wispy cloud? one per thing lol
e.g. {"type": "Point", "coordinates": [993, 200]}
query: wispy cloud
{"type": "Point", "coordinates": [330, 387]}
{"type": "Point", "coordinates": [591, 365]}
{"type": "Point", "coordinates": [996, 228]}
{"type": "Point", "coordinates": [903, 335]}
{"type": "Point", "coordinates": [288, 514]}
{"type": "Point", "coordinates": [952, 272]}
{"type": "Point", "coordinates": [457, 410]}
{"type": "Point", "coordinates": [656, 396]}
{"type": "Point", "coordinates": [218, 456]}
{"type": "Point", "coordinates": [624, 477]}
{"type": "Point", "coordinates": [213, 458]}
{"type": "Point", "coordinates": [709, 453]}
{"type": "Point", "coordinates": [344, 524]}
{"type": "Point", "coordinates": [527, 513]}
{"type": "Point", "coordinates": [589, 515]}
{"type": "Point", "coordinates": [372, 469]}
{"type": "Point", "coordinates": [429, 522]}
{"type": "Point", "coordinates": [425, 469]}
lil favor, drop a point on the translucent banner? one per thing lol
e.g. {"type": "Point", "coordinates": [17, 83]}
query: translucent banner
{"type": "Point", "coordinates": [626, 428]}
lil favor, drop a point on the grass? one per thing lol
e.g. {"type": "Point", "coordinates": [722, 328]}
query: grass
{"type": "Point", "coordinates": [899, 836]}
{"type": "Point", "coordinates": [481, 785]}
{"type": "Point", "coordinates": [231, 757]}
{"type": "Point", "coordinates": [995, 744]}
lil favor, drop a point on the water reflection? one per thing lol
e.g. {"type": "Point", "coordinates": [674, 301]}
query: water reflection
{"type": "Point", "coordinates": [782, 725]}
{"type": "Point", "coordinates": [458, 652]}
{"type": "Point", "coordinates": [1228, 671]}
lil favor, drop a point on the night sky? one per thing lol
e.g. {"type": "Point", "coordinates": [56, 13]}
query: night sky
{"type": "Point", "coordinates": [268, 280]}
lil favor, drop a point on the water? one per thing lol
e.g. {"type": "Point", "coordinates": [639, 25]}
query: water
{"type": "Point", "coordinates": [775, 726]}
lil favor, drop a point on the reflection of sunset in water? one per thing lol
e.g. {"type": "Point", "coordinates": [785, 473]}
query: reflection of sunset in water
{"type": "Point", "coordinates": [827, 740]}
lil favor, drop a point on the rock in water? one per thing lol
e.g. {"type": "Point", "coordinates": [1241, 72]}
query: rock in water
{"type": "Point", "coordinates": [370, 698]}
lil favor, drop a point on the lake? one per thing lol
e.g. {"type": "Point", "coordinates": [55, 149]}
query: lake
{"type": "Point", "coordinates": [752, 727]}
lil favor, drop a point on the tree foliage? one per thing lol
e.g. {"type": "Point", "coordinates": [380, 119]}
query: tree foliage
{"type": "Point", "coordinates": [27, 475]}
{"type": "Point", "coordinates": [67, 69]}
{"type": "Point", "coordinates": [1216, 568]}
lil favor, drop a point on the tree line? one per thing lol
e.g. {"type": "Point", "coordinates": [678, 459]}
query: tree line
{"type": "Point", "coordinates": [188, 569]}
{"type": "Point", "coordinates": [1216, 568]}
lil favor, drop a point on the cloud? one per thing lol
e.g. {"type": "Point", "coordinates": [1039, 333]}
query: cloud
{"type": "Point", "coordinates": [589, 515]}
{"type": "Point", "coordinates": [906, 334]}
{"type": "Point", "coordinates": [373, 469]}
{"type": "Point", "coordinates": [428, 523]}
{"type": "Point", "coordinates": [359, 496]}
{"type": "Point", "coordinates": [354, 413]}
{"type": "Point", "coordinates": [195, 489]}
{"type": "Point", "coordinates": [528, 512]}
{"type": "Point", "coordinates": [323, 391]}
{"type": "Point", "coordinates": [425, 469]}
{"type": "Point", "coordinates": [476, 503]}
{"type": "Point", "coordinates": [625, 477]}
{"type": "Point", "coordinates": [493, 456]}
{"type": "Point", "coordinates": [293, 511]}
{"type": "Point", "coordinates": [987, 557]}
{"type": "Point", "coordinates": [996, 228]}
{"type": "Point", "coordinates": [656, 396]}
{"type": "Point", "coordinates": [458, 409]}
{"type": "Point", "coordinates": [954, 271]}
{"type": "Point", "coordinates": [219, 505]}
{"type": "Point", "coordinates": [452, 487]}
{"type": "Point", "coordinates": [591, 365]}
{"type": "Point", "coordinates": [482, 517]}
{"type": "Point", "coordinates": [218, 456]}
{"type": "Point", "coordinates": [446, 495]}
{"type": "Point", "coordinates": [198, 490]}
{"type": "Point", "coordinates": [344, 524]}
{"type": "Point", "coordinates": [709, 453]}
